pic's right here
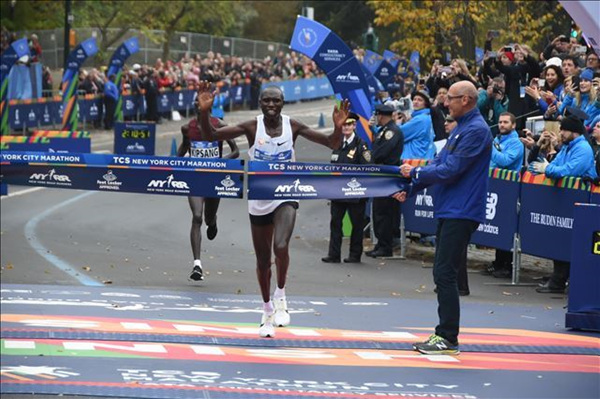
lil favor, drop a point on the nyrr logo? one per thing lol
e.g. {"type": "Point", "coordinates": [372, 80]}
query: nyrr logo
{"type": "Point", "coordinates": [296, 189]}
{"type": "Point", "coordinates": [355, 189]}
{"type": "Point", "coordinates": [307, 37]}
{"type": "Point", "coordinates": [169, 185]}
{"type": "Point", "coordinates": [490, 207]}
{"type": "Point", "coordinates": [135, 148]}
{"type": "Point", "coordinates": [109, 182]}
{"type": "Point", "coordinates": [347, 78]}
{"type": "Point", "coordinates": [50, 178]}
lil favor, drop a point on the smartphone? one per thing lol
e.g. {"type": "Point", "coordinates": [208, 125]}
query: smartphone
{"type": "Point", "coordinates": [541, 83]}
{"type": "Point", "coordinates": [421, 81]}
{"type": "Point", "coordinates": [492, 54]}
{"type": "Point", "coordinates": [508, 49]}
{"type": "Point", "coordinates": [575, 82]}
{"type": "Point", "coordinates": [580, 49]}
{"type": "Point", "coordinates": [494, 33]}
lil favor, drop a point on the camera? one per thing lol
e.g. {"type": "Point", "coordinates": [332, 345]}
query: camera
{"type": "Point", "coordinates": [508, 49]}
{"type": "Point", "coordinates": [421, 81]}
{"type": "Point", "coordinates": [497, 90]}
{"type": "Point", "coordinates": [494, 33]}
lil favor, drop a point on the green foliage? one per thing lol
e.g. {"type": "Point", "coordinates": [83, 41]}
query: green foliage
{"type": "Point", "coordinates": [274, 20]}
{"type": "Point", "coordinates": [348, 19]}
{"type": "Point", "coordinates": [51, 15]}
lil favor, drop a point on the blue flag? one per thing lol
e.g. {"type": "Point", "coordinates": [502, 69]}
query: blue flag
{"type": "Point", "coordinates": [415, 62]}
{"type": "Point", "coordinates": [478, 55]}
{"type": "Point", "coordinates": [343, 70]}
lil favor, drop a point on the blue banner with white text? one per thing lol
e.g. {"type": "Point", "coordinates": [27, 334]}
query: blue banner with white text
{"type": "Point", "coordinates": [294, 180]}
{"type": "Point", "coordinates": [215, 178]}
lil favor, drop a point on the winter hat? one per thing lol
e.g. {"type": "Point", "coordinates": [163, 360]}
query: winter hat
{"type": "Point", "coordinates": [423, 95]}
{"type": "Point", "coordinates": [510, 55]}
{"type": "Point", "coordinates": [572, 124]}
{"type": "Point", "coordinates": [587, 74]}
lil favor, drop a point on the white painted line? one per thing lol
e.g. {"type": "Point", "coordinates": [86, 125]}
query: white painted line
{"type": "Point", "coordinates": [19, 344]}
{"type": "Point", "coordinates": [22, 192]}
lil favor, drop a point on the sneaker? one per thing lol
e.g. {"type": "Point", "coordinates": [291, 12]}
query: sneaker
{"type": "Point", "coordinates": [416, 344]}
{"type": "Point", "coordinates": [211, 232]}
{"type": "Point", "coordinates": [437, 345]}
{"type": "Point", "coordinates": [197, 274]}
{"type": "Point", "coordinates": [267, 329]}
{"type": "Point", "coordinates": [281, 316]}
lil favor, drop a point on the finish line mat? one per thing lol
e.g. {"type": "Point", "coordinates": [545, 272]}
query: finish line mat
{"type": "Point", "coordinates": [120, 342]}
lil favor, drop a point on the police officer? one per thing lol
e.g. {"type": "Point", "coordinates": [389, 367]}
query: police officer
{"type": "Point", "coordinates": [352, 151]}
{"type": "Point", "coordinates": [387, 150]}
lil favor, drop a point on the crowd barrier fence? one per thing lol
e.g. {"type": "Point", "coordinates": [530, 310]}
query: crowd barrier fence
{"type": "Point", "coordinates": [525, 213]}
{"type": "Point", "coordinates": [36, 113]}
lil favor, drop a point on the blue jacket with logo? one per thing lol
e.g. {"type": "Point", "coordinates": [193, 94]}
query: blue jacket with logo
{"type": "Point", "coordinates": [510, 154]}
{"type": "Point", "coordinates": [460, 171]}
{"type": "Point", "coordinates": [574, 159]}
{"type": "Point", "coordinates": [418, 136]}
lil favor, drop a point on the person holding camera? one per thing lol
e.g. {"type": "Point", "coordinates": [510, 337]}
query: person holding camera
{"type": "Point", "coordinates": [493, 102]}
{"type": "Point", "coordinates": [581, 94]}
{"type": "Point", "coordinates": [546, 90]}
{"type": "Point", "coordinates": [559, 47]}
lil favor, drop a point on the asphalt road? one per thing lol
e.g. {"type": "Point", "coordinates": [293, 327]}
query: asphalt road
{"type": "Point", "coordinates": [136, 240]}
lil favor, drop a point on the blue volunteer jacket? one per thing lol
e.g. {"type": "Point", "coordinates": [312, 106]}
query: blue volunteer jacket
{"type": "Point", "coordinates": [510, 155]}
{"type": "Point", "coordinates": [460, 171]}
{"type": "Point", "coordinates": [574, 159]}
{"type": "Point", "coordinates": [590, 106]}
{"type": "Point", "coordinates": [418, 136]}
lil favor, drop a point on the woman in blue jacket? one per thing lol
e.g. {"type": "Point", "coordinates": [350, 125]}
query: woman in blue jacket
{"type": "Point", "coordinates": [418, 131]}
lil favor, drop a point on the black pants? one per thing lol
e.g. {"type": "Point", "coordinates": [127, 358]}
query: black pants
{"type": "Point", "coordinates": [110, 105]}
{"type": "Point", "coordinates": [356, 211]}
{"type": "Point", "coordinates": [453, 236]}
{"type": "Point", "coordinates": [503, 260]}
{"type": "Point", "coordinates": [383, 219]}
{"type": "Point", "coordinates": [560, 274]}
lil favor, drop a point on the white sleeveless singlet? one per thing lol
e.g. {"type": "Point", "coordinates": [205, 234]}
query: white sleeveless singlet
{"type": "Point", "coordinates": [273, 149]}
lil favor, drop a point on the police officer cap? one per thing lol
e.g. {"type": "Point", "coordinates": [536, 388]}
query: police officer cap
{"type": "Point", "coordinates": [384, 109]}
{"type": "Point", "coordinates": [352, 117]}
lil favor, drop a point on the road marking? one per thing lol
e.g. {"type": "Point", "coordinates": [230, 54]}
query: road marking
{"type": "Point", "coordinates": [35, 243]}
{"type": "Point", "coordinates": [22, 192]}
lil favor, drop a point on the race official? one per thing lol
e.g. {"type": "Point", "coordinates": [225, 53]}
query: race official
{"type": "Point", "coordinates": [352, 151]}
{"type": "Point", "coordinates": [460, 173]}
{"type": "Point", "coordinates": [387, 150]}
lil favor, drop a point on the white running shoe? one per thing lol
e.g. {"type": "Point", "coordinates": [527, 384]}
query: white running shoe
{"type": "Point", "coordinates": [267, 329]}
{"type": "Point", "coordinates": [282, 316]}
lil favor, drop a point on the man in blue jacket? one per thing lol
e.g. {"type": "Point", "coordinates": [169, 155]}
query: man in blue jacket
{"type": "Point", "coordinates": [460, 173]}
{"type": "Point", "coordinates": [507, 153]}
{"type": "Point", "coordinates": [576, 159]}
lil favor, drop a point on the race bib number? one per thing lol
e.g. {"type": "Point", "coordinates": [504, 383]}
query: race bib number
{"type": "Point", "coordinates": [204, 149]}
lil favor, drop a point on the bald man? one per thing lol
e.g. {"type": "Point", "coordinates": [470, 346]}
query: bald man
{"type": "Point", "coordinates": [460, 172]}
{"type": "Point", "coordinates": [271, 137]}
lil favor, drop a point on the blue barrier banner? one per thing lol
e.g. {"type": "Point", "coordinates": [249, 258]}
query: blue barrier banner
{"type": "Point", "coordinates": [584, 284]}
{"type": "Point", "coordinates": [501, 211]}
{"type": "Point", "coordinates": [133, 104]}
{"type": "Point", "coordinates": [595, 195]}
{"type": "Point", "coordinates": [385, 73]}
{"type": "Point", "coordinates": [165, 101]}
{"type": "Point", "coordinates": [294, 180]}
{"type": "Point", "coordinates": [546, 219]}
{"type": "Point", "coordinates": [135, 138]}
{"type": "Point", "coordinates": [45, 144]}
{"type": "Point", "coordinates": [415, 62]}
{"type": "Point", "coordinates": [218, 178]}
{"type": "Point", "coordinates": [90, 109]}
{"type": "Point", "coordinates": [501, 215]}
{"type": "Point", "coordinates": [418, 212]}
